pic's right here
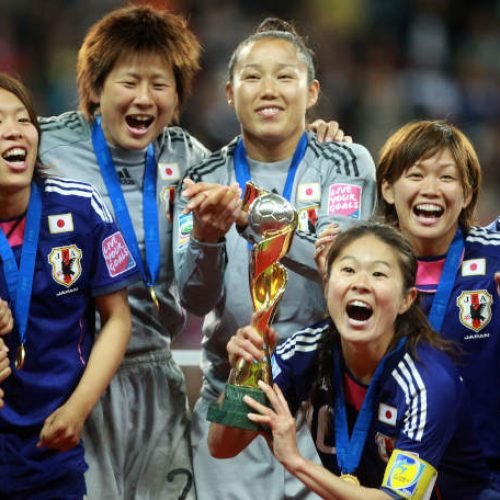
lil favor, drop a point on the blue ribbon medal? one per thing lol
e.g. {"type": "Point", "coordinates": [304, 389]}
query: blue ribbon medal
{"type": "Point", "coordinates": [20, 280]}
{"type": "Point", "coordinates": [350, 450]}
{"type": "Point", "coordinates": [151, 268]}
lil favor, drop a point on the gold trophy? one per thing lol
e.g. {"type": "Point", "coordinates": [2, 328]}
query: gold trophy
{"type": "Point", "coordinates": [273, 220]}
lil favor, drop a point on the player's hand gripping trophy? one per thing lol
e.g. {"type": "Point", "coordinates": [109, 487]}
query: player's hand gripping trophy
{"type": "Point", "coordinates": [273, 220]}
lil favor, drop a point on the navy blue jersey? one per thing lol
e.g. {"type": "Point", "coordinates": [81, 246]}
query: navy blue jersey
{"type": "Point", "coordinates": [412, 412]}
{"type": "Point", "coordinates": [81, 254]}
{"type": "Point", "coordinates": [495, 225]}
{"type": "Point", "coordinates": [473, 320]}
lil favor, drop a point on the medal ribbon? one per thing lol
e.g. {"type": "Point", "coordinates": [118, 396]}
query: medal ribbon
{"type": "Point", "coordinates": [446, 282]}
{"type": "Point", "coordinates": [151, 269]}
{"type": "Point", "coordinates": [20, 280]}
{"type": "Point", "coordinates": [349, 451]}
{"type": "Point", "coordinates": [242, 168]}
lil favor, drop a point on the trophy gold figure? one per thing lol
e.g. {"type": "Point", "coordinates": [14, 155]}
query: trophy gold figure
{"type": "Point", "coordinates": [273, 220]}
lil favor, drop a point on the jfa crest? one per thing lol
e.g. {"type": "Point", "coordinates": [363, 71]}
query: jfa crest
{"type": "Point", "coordinates": [65, 262]}
{"type": "Point", "coordinates": [475, 309]}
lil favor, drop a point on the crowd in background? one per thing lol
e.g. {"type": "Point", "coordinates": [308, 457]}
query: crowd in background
{"type": "Point", "coordinates": [382, 63]}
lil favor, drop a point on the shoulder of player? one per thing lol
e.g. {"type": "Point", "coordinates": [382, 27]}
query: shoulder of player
{"type": "Point", "coordinates": [350, 159]}
{"type": "Point", "coordinates": [174, 136]}
{"type": "Point", "coordinates": [304, 342]}
{"type": "Point", "coordinates": [63, 130]}
{"type": "Point", "coordinates": [428, 371]}
{"type": "Point", "coordinates": [209, 167]}
{"type": "Point", "coordinates": [77, 196]}
{"type": "Point", "coordinates": [484, 239]}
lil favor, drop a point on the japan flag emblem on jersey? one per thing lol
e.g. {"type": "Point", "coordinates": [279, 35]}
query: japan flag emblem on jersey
{"type": "Point", "coordinates": [61, 223]}
{"type": "Point", "coordinates": [474, 267]}
{"type": "Point", "coordinates": [169, 171]}
{"type": "Point", "coordinates": [66, 265]}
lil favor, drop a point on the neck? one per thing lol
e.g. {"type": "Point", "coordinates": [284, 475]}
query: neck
{"type": "Point", "coordinates": [362, 359]}
{"type": "Point", "coordinates": [432, 247]}
{"type": "Point", "coordinates": [260, 149]}
{"type": "Point", "coordinates": [13, 204]}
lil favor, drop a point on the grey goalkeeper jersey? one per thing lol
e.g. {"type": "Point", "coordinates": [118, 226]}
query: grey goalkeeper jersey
{"type": "Point", "coordinates": [335, 182]}
{"type": "Point", "coordinates": [66, 148]}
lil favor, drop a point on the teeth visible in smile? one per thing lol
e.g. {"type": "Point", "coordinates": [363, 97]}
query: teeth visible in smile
{"type": "Point", "coordinates": [139, 121]}
{"type": "Point", "coordinates": [269, 111]}
{"type": "Point", "coordinates": [428, 210]}
{"type": "Point", "coordinates": [15, 155]}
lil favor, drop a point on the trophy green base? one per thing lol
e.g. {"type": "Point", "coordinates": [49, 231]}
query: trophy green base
{"type": "Point", "coordinates": [233, 411]}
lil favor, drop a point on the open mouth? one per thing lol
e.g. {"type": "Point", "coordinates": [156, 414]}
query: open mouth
{"type": "Point", "coordinates": [428, 210]}
{"type": "Point", "coordinates": [359, 310]}
{"type": "Point", "coordinates": [15, 155]}
{"type": "Point", "coordinates": [139, 122]}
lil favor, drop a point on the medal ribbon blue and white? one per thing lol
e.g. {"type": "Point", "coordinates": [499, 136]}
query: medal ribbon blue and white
{"type": "Point", "coordinates": [446, 281]}
{"type": "Point", "coordinates": [350, 450]}
{"type": "Point", "coordinates": [20, 279]}
{"type": "Point", "coordinates": [242, 168]}
{"type": "Point", "coordinates": [150, 270]}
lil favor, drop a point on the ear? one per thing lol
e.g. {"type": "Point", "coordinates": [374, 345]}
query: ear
{"type": "Point", "coordinates": [388, 192]}
{"type": "Point", "coordinates": [95, 96]}
{"type": "Point", "coordinates": [408, 300]}
{"type": "Point", "coordinates": [313, 94]}
{"type": "Point", "coordinates": [229, 94]}
{"type": "Point", "coordinates": [467, 199]}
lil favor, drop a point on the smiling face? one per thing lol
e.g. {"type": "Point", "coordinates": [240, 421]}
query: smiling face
{"type": "Point", "coordinates": [365, 294]}
{"type": "Point", "coordinates": [137, 101]}
{"type": "Point", "coordinates": [270, 93]}
{"type": "Point", "coordinates": [428, 198]}
{"type": "Point", "coordinates": [18, 146]}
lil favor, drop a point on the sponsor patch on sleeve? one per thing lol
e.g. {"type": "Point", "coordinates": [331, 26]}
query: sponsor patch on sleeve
{"type": "Point", "coordinates": [409, 476]}
{"type": "Point", "coordinates": [61, 223]}
{"type": "Point", "coordinates": [344, 199]}
{"type": "Point", "coordinates": [169, 171]}
{"type": "Point", "coordinates": [185, 228]}
{"type": "Point", "coordinates": [168, 197]}
{"type": "Point", "coordinates": [116, 255]}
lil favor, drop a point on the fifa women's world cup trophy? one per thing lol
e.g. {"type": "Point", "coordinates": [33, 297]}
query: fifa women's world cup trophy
{"type": "Point", "coordinates": [273, 220]}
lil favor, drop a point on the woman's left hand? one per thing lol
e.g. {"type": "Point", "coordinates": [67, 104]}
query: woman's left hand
{"type": "Point", "coordinates": [328, 131]}
{"type": "Point", "coordinates": [62, 429]}
{"type": "Point", "coordinates": [281, 422]}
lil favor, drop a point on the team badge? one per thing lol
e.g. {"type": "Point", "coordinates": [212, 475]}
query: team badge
{"type": "Point", "coordinates": [61, 223]}
{"type": "Point", "coordinates": [474, 267]}
{"type": "Point", "coordinates": [116, 254]}
{"type": "Point", "coordinates": [307, 218]}
{"type": "Point", "coordinates": [167, 196]}
{"type": "Point", "coordinates": [345, 200]}
{"type": "Point", "coordinates": [385, 446]}
{"type": "Point", "coordinates": [475, 309]}
{"type": "Point", "coordinates": [409, 476]}
{"type": "Point", "coordinates": [309, 191]}
{"type": "Point", "coordinates": [66, 266]}
{"type": "Point", "coordinates": [169, 171]}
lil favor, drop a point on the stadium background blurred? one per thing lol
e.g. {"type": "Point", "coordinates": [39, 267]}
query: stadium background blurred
{"type": "Point", "coordinates": [381, 63]}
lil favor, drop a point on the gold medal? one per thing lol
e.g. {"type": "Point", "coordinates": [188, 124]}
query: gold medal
{"type": "Point", "coordinates": [154, 298]}
{"type": "Point", "coordinates": [349, 478]}
{"type": "Point", "coordinates": [20, 357]}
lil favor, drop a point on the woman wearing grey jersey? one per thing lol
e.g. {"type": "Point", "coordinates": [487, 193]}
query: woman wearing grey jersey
{"type": "Point", "coordinates": [271, 86]}
{"type": "Point", "coordinates": [135, 69]}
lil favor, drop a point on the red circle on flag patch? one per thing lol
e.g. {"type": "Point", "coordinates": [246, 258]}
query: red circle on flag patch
{"type": "Point", "coordinates": [168, 171]}
{"type": "Point", "coordinates": [388, 414]}
{"type": "Point", "coordinates": [60, 223]}
{"type": "Point", "coordinates": [309, 191]}
{"type": "Point", "coordinates": [473, 266]}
